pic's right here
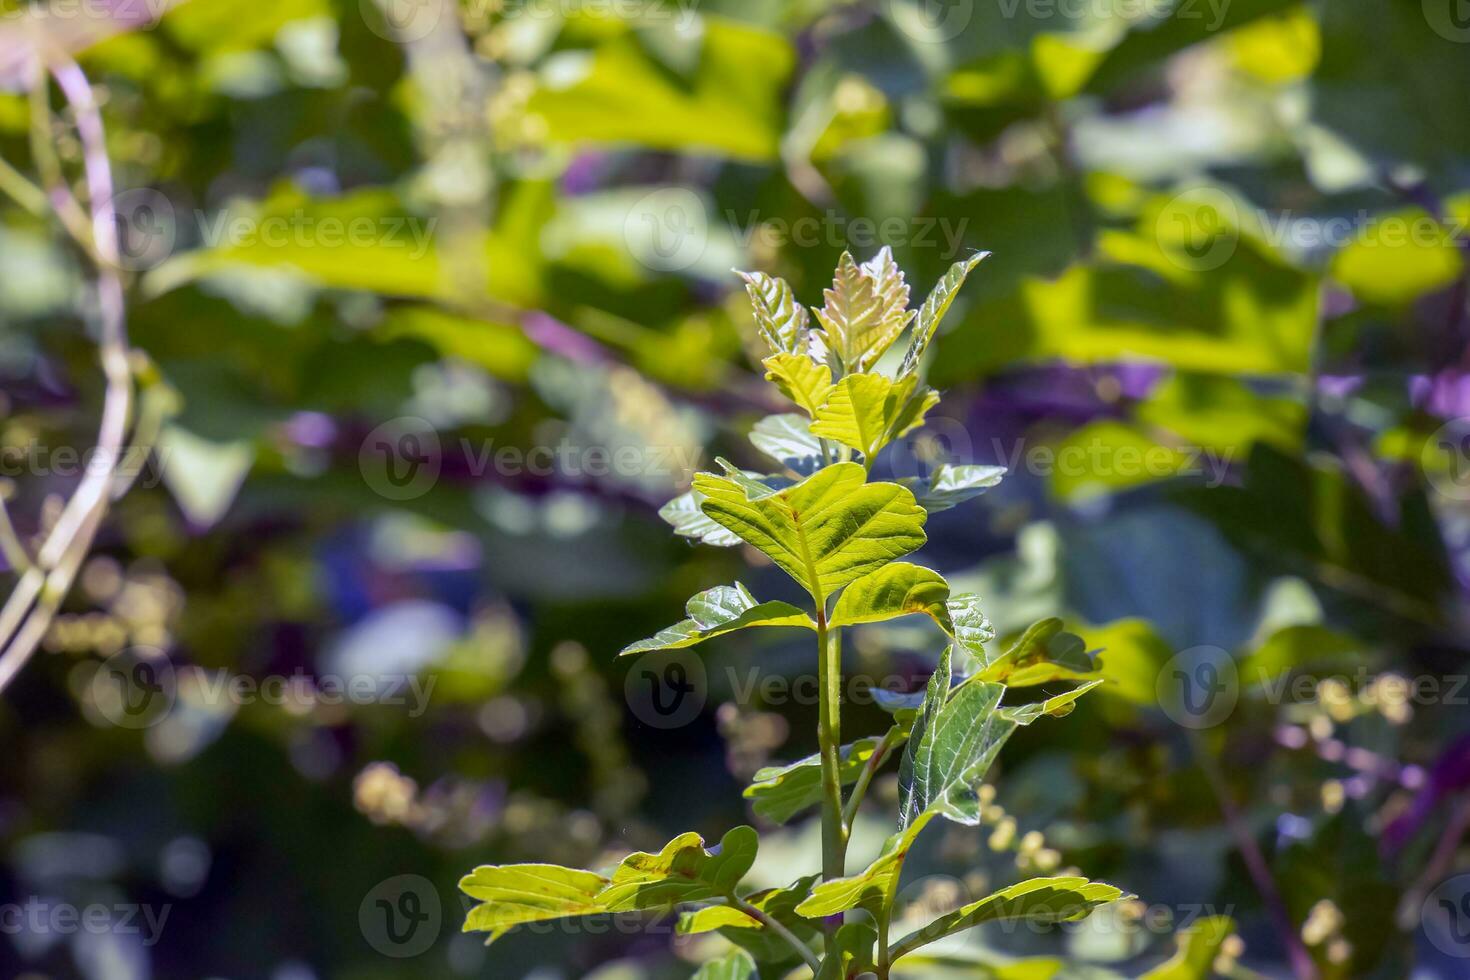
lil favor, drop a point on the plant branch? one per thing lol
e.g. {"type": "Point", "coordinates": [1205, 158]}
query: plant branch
{"type": "Point", "coordinates": [33, 604]}
{"type": "Point", "coordinates": [860, 790]}
{"type": "Point", "coordinates": [771, 923]}
{"type": "Point", "coordinates": [1256, 864]}
{"type": "Point", "coordinates": [829, 737]}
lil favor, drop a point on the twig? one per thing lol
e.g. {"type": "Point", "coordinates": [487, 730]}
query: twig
{"type": "Point", "coordinates": [43, 587]}
{"type": "Point", "coordinates": [1255, 862]}
{"type": "Point", "coordinates": [771, 923]}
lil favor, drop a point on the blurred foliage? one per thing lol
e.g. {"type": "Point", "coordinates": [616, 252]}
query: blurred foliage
{"type": "Point", "coordinates": [1221, 345]}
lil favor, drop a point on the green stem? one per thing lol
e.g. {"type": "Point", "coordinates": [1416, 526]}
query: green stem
{"type": "Point", "coordinates": [875, 762]}
{"type": "Point", "coordinates": [829, 737]}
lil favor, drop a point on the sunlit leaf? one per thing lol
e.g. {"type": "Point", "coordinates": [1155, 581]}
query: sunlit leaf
{"type": "Point", "coordinates": [826, 531]}
{"type": "Point", "coordinates": [857, 323]}
{"type": "Point", "coordinates": [955, 739]}
{"type": "Point", "coordinates": [518, 893]}
{"type": "Point", "coordinates": [1045, 900]}
{"type": "Point", "coordinates": [801, 379]}
{"type": "Point", "coordinates": [618, 94]}
{"type": "Point", "coordinates": [690, 522]}
{"type": "Point", "coordinates": [779, 793]}
{"type": "Point", "coordinates": [867, 411]}
{"type": "Point", "coordinates": [684, 871]}
{"type": "Point", "coordinates": [1058, 706]}
{"type": "Point", "coordinates": [949, 485]}
{"type": "Point", "coordinates": [734, 965]}
{"type": "Point", "coordinates": [934, 309]}
{"type": "Point", "coordinates": [1199, 945]}
{"type": "Point", "coordinates": [715, 612]}
{"type": "Point", "coordinates": [782, 321]}
{"type": "Point", "coordinates": [788, 439]}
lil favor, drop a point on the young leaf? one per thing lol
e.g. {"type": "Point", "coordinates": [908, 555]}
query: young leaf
{"type": "Point", "coordinates": [934, 309]}
{"type": "Point", "coordinates": [851, 953]}
{"type": "Point", "coordinates": [950, 486]}
{"type": "Point", "coordinates": [782, 321]}
{"type": "Point", "coordinates": [902, 588]}
{"type": "Point", "coordinates": [518, 893]}
{"type": "Point", "coordinates": [690, 522]}
{"type": "Point", "coordinates": [868, 411]}
{"type": "Point", "coordinates": [858, 323]}
{"type": "Point", "coordinates": [1044, 653]}
{"type": "Point", "coordinates": [803, 380]}
{"type": "Point", "coordinates": [734, 965]}
{"type": "Point", "coordinates": [682, 872]}
{"type": "Point", "coordinates": [871, 889]}
{"type": "Point", "coordinates": [713, 917]}
{"type": "Point", "coordinates": [1047, 900]}
{"type": "Point", "coordinates": [781, 792]}
{"type": "Point", "coordinates": [715, 612]}
{"type": "Point", "coordinates": [1199, 944]}
{"type": "Point", "coordinates": [788, 439]}
{"type": "Point", "coordinates": [1054, 707]}
{"type": "Point", "coordinates": [949, 756]}
{"type": "Point", "coordinates": [892, 591]}
{"type": "Point", "coordinates": [826, 531]}
{"type": "Point", "coordinates": [893, 294]}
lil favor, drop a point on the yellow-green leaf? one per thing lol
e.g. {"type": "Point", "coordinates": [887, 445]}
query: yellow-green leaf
{"type": "Point", "coordinates": [801, 379]}
{"type": "Point", "coordinates": [826, 531]}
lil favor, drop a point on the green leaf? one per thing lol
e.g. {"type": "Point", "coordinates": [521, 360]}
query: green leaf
{"type": "Point", "coordinates": [934, 309]}
{"type": "Point", "coordinates": [779, 793]}
{"type": "Point", "coordinates": [1199, 945]}
{"type": "Point", "coordinates": [787, 439]}
{"type": "Point", "coordinates": [1047, 900]}
{"type": "Point", "coordinates": [950, 486]}
{"type": "Point", "coordinates": [690, 522]}
{"type": "Point", "coordinates": [1045, 652]}
{"type": "Point", "coordinates": [734, 965]}
{"type": "Point", "coordinates": [801, 379]}
{"type": "Point", "coordinates": [714, 917]}
{"type": "Point", "coordinates": [731, 105]}
{"type": "Point", "coordinates": [901, 589]}
{"type": "Point", "coordinates": [858, 322]}
{"type": "Point", "coordinates": [518, 893]}
{"type": "Point", "coordinates": [826, 531]}
{"type": "Point", "coordinates": [715, 612]}
{"type": "Point", "coordinates": [851, 953]}
{"type": "Point", "coordinates": [893, 295]}
{"type": "Point", "coordinates": [872, 889]}
{"type": "Point", "coordinates": [955, 739]}
{"type": "Point", "coordinates": [971, 628]}
{"type": "Point", "coordinates": [1055, 707]}
{"type": "Point", "coordinates": [782, 321]}
{"type": "Point", "coordinates": [684, 871]}
{"type": "Point", "coordinates": [868, 411]}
